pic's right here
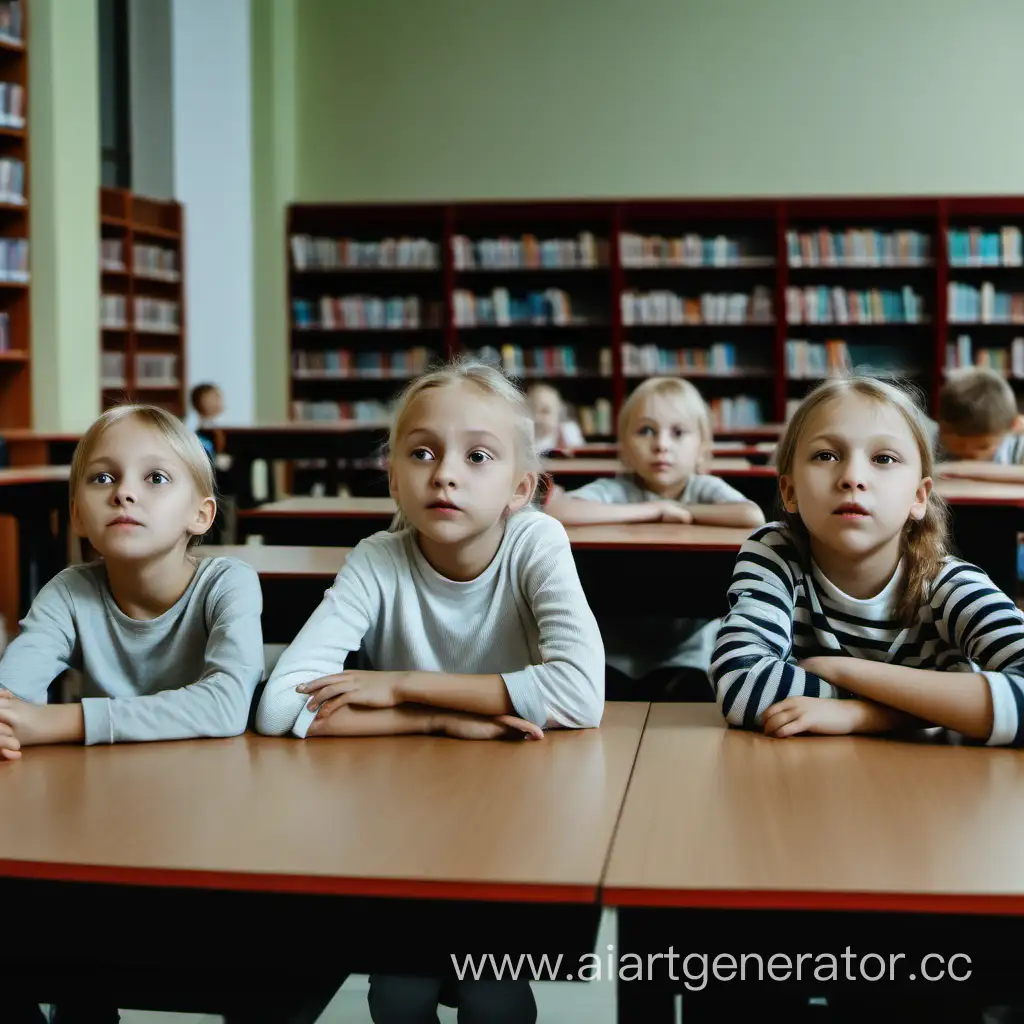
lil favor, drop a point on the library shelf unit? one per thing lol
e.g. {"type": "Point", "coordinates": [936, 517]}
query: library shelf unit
{"type": "Point", "coordinates": [754, 299]}
{"type": "Point", "coordinates": [142, 300]}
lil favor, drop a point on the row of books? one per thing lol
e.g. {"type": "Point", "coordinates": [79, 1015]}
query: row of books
{"type": "Point", "coordinates": [1009, 359]}
{"type": "Point", "coordinates": [541, 361]}
{"type": "Point", "coordinates": [689, 250]}
{"type": "Point", "coordinates": [370, 411]}
{"type": "Point", "coordinates": [14, 259]}
{"type": "Point", "coordinates": [152, 369]}
{"type": "Point", "coordinates": [500, 309]}
{"type": "Point", "coordinates": [661, 308]}
{"type": "Point", "coordinates": [155, 261]}
{"type": "Point", "coordinates": [365, 313]}
{"type": "Point", "coordinates": [12, 21]}
{"type": "Point", "coordinates": [112, 254]}
{"type": "Point", "coordinates": [343, 364]}
{"type": "Point", "coordinates": [983, 305]}
{"type": "Point", "coordinates": [857, 247]}
{"type": "Point", "coordinates": [596, 420]}
{"type": "Point", "coordinates": [113, 311]}
{"type": "Point", "coordinates": [822, 305]}
{"type": "Point", "coordinates": [809, 360]}
{"type": "Point", "coordinates": [5, 332]}
{"type": "Point", "coordinates": [314, 253]}
{"type": "Point", "coordinates": [976, 247]}
{"type": "Point", "coordinates": [529, 252]}
{"type": "Point", "coordinates": [12, 181]}
{"type": "Point", "coordinates": [12, 105]}
{"type": "Point", "coordinates": [717, 360]}
{"type": "Point", "coordinates": [735, 412]}
{"type": "Point", "coordinates": [156, 315]}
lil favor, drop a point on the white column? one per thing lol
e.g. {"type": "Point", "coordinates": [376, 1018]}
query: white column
{"type": "Point", "coordinates": [213, 178]}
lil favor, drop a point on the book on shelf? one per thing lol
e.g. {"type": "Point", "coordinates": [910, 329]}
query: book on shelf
{"type": "Point", "coordinates": [5, 332]}
{"type": "Point", "coordinates": [363, 411]}
{"type": "Point", "coordinates": [529, 253]}
{"type": "Point", "coordinates": [857, 247]}
{"type": "Point", "coordinates": [14, 260]}
{"type": "Point", "coordinates": [342, 364]}
{"type": "Point", "coordinates": [1008, 359]}
{"type": "Point", "coordinates": [112, 370]}
{"type": "Point", "coordinates": [159, 316]}
{"type": "Point", "coordinates": [809, 360]}
{"type": "Point", "coordinates": [976, 247]}
{"type": "Point", "coordinates": [12, 182]}
{"type": "Point", "coordinates": [112, 254]}
{"type": "Point", "coordinates": [690, 250]}
{"type": "Point", "coordinates": [114, 311]}
{"type": "Point", "coordinates": [12, 105]}
{"type": "Point", "coordinates": [156, 369]}
{"type": "Point", "coordinates": [155, 261]}
{"type": "Point", "coordinates": [735, 412]}
{"type": "Point", "coordinates": [717, 360]}
{"type": "Point", "coordinates": [318, 253]}
{"type": "Point", "coordinates": [540, 361]}
{"type": "Point", "coordinates": [824, 305]}
{"type": "Point", "coordinates": [551, 307]}
{"type": "Point", "coordinates": [12, 21]}
{"type": "Point", "coordinates": [666, 308]}
{"type": "Point", "coordinates": [595, 420]}
{"type": "Point", "coordinates": [984, 305]}
{"type": "Point", "coordinates": [366, 313]}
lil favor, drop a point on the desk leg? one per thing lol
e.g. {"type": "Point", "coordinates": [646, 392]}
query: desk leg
{"type": "Point", "coordinates": [644, 1001]}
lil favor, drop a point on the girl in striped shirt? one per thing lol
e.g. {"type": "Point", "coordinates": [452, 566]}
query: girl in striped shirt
{"type": "Point", "coordinates": [853, 595]}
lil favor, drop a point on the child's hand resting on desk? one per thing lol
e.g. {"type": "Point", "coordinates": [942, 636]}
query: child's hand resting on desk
{"type": "Point", "coordinates": [23, 724]}
{"type": "Point", "coordinates": [354, 686]}
{"type": "Point", "coordinates": [671, 512]}
{"type": "Point", "coordinates": [822, 715]}
{"type": "Point", "coordinates": [10, 745]}
{"type": "Point", "coordinates": [464, 726]}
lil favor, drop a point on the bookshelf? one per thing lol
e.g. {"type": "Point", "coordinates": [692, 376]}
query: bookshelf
{"type": "Point", "coordinates": [754, 299]}
{"type": "Point", "coordinates": [142, 301]}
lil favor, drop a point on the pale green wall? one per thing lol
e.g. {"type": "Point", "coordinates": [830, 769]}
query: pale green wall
{"type": "Point", "coordinates": [64, 198]}
{"type": "Point", "coordinates": [273, 25]}
{"type": "Point", "coordinates": [401, 99]}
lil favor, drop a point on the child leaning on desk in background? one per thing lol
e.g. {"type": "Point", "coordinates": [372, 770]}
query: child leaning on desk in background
{"type": "Point", "coordinates": [554, 428]}
{"type": "Point", "coordinates": [167, 646]}
{"type": "Point", "coordinates": [853, 595]}
{"type": "Point", "coordinates": [664, 437]}
{"type": "Point", "coordinates": [470, 610]}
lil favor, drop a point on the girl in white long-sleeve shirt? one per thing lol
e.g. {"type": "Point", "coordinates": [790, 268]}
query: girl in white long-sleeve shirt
{"type": "Point", "coordinates": [470, 610]}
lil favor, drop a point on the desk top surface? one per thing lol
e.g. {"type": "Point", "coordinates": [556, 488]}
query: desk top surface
{"type": "Point", "coordinates": [411, 816]}
{"type": "Point", "coordinates": [719, 817]}
{"type": "Point", "coordinates": [282, 561]}
{"type": "Point", "coordinates": [349, 507]}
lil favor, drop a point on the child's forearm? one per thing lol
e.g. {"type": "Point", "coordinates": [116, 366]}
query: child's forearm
{"type": "Point", "coordinates": [730, 513]}
{"type": "Point", "coordinates": [960, 701]}
{"type": "Point", "coordinates": [355, 721]}
{"type": "Point", "coordinates": [580, 512]}
{"type": "Point", "coordinates": [874, 718]}
{"type": "Point", "coordinates": [478, 694]}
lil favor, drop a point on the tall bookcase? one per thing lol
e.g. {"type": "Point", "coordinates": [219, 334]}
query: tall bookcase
{"type": "Point", "coordinates": [15, 315]}
{"type": "Point", "coordinates": [754, 299]}
{"type": "Point", "coordinates": [142, 300]}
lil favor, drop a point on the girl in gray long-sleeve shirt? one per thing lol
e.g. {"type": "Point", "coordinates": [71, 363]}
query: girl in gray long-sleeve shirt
{"type": "Point", "coordinates": [167, 646]}
{"type": "Point", "coordinates": [471, 612]}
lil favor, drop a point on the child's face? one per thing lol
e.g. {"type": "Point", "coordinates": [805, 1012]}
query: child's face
{"type": "Point", "coordinates": [979, 447]}
{"type": "Point", "coordinates": [546, 409]}
{"type": "Point", "coordinates": [856, 477]}
{"type": "Point", "coordinates": [662, 444]}
{"type": "Point", "coordinates": [211, 405]}
{"type": "Point", "coordinates": [456, 469]}
{"type": "Point", "coordinates": [137, 500]}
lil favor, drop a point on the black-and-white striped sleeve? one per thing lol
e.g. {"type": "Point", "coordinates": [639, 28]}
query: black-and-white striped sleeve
{"type": "Point", "coordinates": [973, 615]}
{"type": "Point", "coordinates": [749, 667]}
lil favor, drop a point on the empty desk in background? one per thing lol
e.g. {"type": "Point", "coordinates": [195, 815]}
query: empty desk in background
{"type": "Point", "coordinates": [446, 846]}
{"type": "Point", "coordinates": [729, 839]}
{"type": "Point", "coordinates": [334, 521]}
{"type": "Point", "coordinates": [293, 581]}
{"type": "Point", "coordinates": [335, 441]}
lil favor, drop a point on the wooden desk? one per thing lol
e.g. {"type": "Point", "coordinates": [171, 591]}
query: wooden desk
{"type": "Point", "coordinates": [36, 497]}
{"type": "Point", "coordinates": [726, 831]}
{"type": "Point", "coordinates": [331, 440]}
{"type": "Point", "coordinates": [755, 452]}
{"type": "Point", "coordinates": [336, 521]}
{"type": "Point", "coordinates": [447, 844]}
